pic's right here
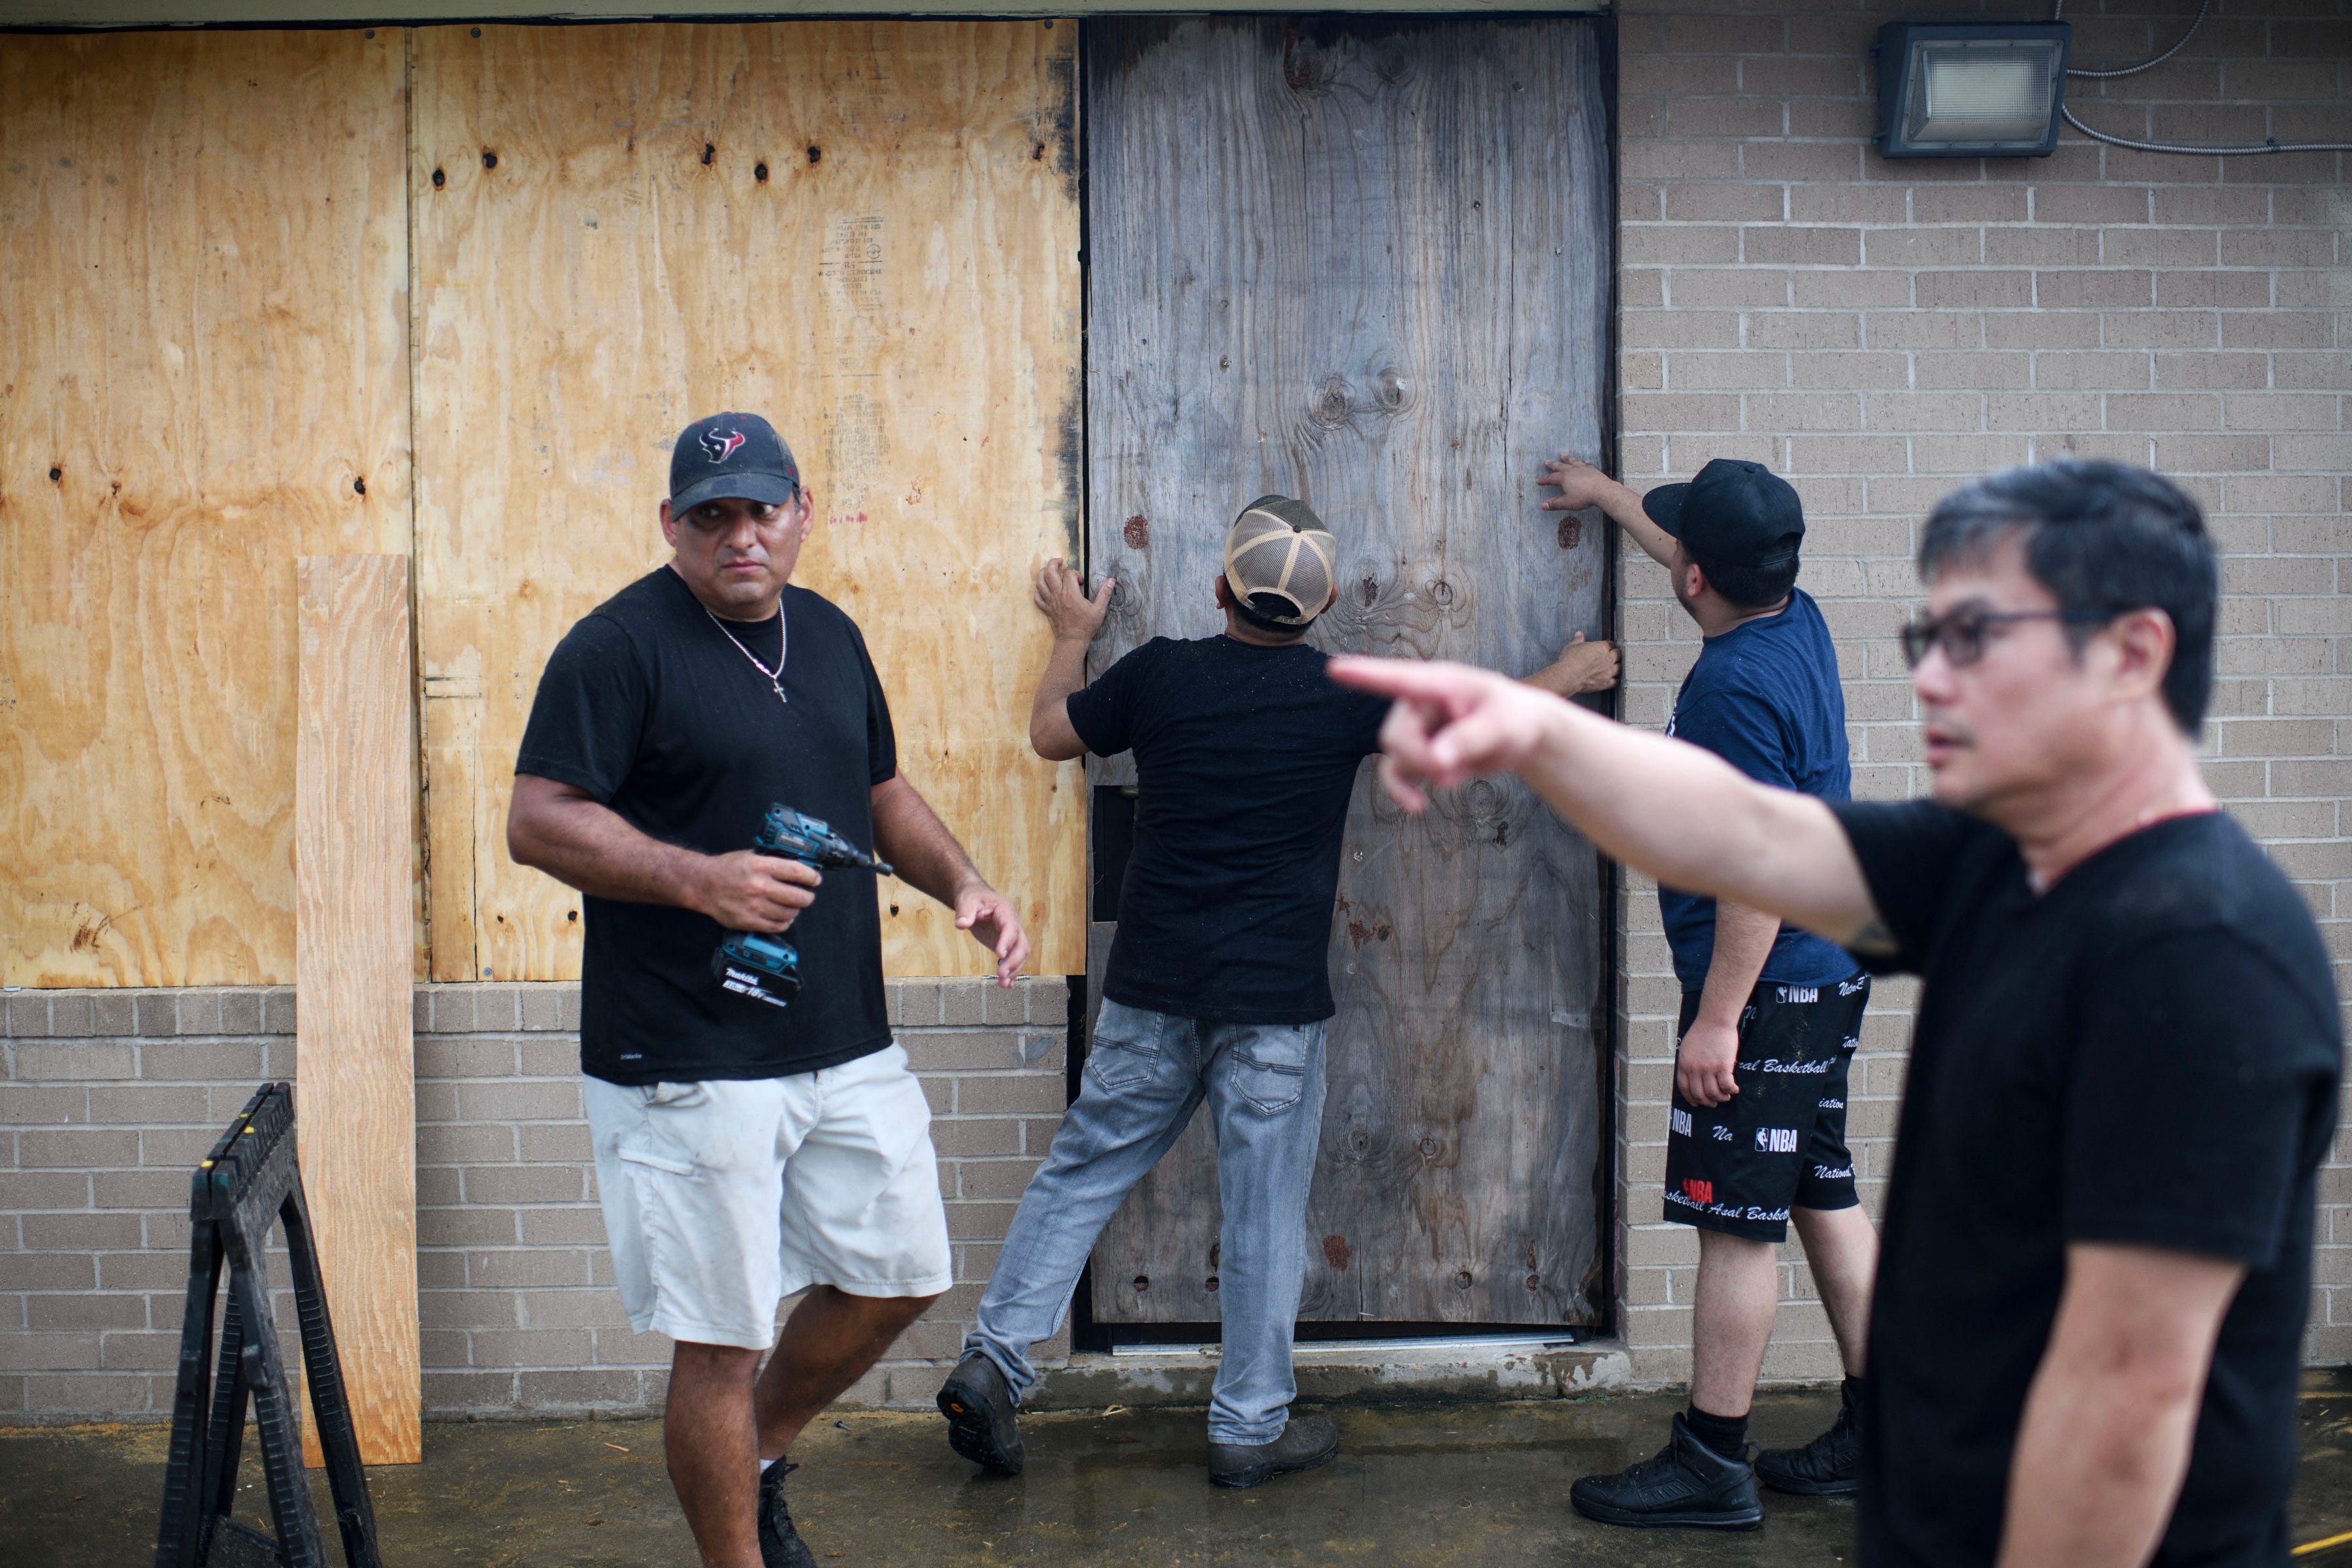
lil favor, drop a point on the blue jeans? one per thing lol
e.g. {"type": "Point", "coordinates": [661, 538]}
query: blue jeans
{"type": "Point", "coordinates": [1144, 1075]}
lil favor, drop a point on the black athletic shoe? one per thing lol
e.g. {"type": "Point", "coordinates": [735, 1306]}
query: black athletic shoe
{"type": "Point", "coordinates": [981, 1423]}
{"type": "Point", "coordinates": [1686, 1484]}
{"type": "Point", "coordinates": [1829, 1466]}
{"type": "Point", "coordinates": [781, 1545]}
{"type": "Point", "coordinates": [1306, 1442]}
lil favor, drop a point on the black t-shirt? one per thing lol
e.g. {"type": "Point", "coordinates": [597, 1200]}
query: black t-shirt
{"type": "Point", "coordinates": [648, 707]}
{"type": "Point", "coordinates": [2145, 1053]}
{"type": "Point", "coordinates": [1244, 759]}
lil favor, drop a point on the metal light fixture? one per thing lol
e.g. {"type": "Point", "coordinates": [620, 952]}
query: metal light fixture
{"type": "Point", "coordinates": [1970, 89]}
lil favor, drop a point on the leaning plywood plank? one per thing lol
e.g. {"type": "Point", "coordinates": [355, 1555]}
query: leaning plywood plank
{"type": "Point", "coordinates": [204, 335]}
{"type": "Point", "coordinates": [356, 1095]}
{"type": "Point", "coordinates": [866, 230]}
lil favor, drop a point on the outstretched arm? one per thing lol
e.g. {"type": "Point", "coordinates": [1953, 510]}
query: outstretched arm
{"type": "Point", "coordinates": [1582, 484]}
{"type": "Point", "coordinates": [1683, 814]}
{"type": "Point", "coordinates": [1061, 595]}
{"type": "Point", "coordinates": [909, 835]}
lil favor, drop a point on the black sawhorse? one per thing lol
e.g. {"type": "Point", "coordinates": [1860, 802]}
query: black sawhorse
{"type": "Point", "coordinates": [249, 1180]}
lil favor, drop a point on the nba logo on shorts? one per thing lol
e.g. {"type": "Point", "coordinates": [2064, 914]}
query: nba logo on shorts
{"type": "Point", "coordinates": [1680, 1120]}
{"type": "Point", "coordinates": [1698, 1192]}
{"type": "Point", "coordinates": [1776, 1140]}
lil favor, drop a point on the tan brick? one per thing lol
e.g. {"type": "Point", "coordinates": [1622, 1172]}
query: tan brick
{"type": "Point", "coordinates": [1833, 290]}
{"type": "Point", "coordinates": [1986, 372]}
{"type": "Point", "coordinates": [1975, 287]}
{"type": "Point", "coordinates": [1700, 288]}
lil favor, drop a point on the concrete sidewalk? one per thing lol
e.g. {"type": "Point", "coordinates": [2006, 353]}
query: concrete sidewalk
{"type": "Point", "coordinates": [1414, 1487]}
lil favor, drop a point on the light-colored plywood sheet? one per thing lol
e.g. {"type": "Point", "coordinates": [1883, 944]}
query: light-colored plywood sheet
{"type": "Point", "coordinates": [356, 1105]}
{"type": "Point", "coordinates": [1399, 312]}
{"type": "Point", "coordinates": [202, 374]}
{"type": "Point", "coordinates": [867, 231]}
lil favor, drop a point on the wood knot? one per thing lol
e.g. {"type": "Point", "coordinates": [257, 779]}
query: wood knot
{"type": "Point", "coordinates": [817, 153]}
{"type": "Point", "coordinates": [1143, 1282]}
{"type": "Point", "coordinates": [1210, 1285]}
{"type": "Point", "coordinates": [708, 152]}
{"type": "Point", "coordinates": [489, 159]}
{"type": "Point", "coordinates": [1137, 532]}
{"type": "Point", "coordinates": [1441, 592]}
{"type": "Point", "coordinates": [439, 179]}
{"type": "Point", "coordinates": [1429, 1148]}
{"type": "Point", "coordinates": [1571, 532]}
{"type": "Point", "coordinates": [1371, 592]}
{"type": "Point", "coordinates": [760, 173]}
{"type": "Point", "coordinates": [1305, 68]}
{"type": "Point", "coordinates": [1462, 1280]}
{"type": "Point", "coordinates": [1535, 1281]}
{"type": "Point", "coordinates": [1391, 66]}
{"type": "Point", "coordinates": [1337, 1253]}
{"type": "Point", "coordinates": [1333, 405]}
{"type": "Point", "coordinates": [1390, 390]}
{"type": "Point", "coordinates": [1482, 798]}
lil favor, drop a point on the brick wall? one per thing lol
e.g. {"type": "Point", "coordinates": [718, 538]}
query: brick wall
{"type": "Point", "coordinates": [110, 1098]}
{"type": "Point", "coordinates": [1881, 332]}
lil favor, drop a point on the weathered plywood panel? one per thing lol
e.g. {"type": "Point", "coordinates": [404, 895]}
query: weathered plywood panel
{"type": "Point", "coordinates": [354, 850]}
{"type": "Point", "coordinates": [866, 231]}
{"type": "Point", "coordinates": [1397, 313]}
{"type": "Point", "coordinates": [203, 334]}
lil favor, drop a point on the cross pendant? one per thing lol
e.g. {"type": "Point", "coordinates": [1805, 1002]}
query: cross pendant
{"type": "Point", "coordinates": [779, 691]}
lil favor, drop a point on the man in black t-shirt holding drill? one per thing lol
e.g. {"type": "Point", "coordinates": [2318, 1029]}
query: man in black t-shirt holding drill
{"type": "Point", "coordinates": [744, 1153]}
{"type": "Point", "coordinates": [1217, 989]}
{"type": "Point", "coordinates": [2086, 1332]}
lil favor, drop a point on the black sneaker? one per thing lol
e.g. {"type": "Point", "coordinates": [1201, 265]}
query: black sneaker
{"type": "Point", "coordinates": [781, 1545]}
{"type": "Point", "coordinates": [1687, 1483]}
{"type": "Point", "coordinates": [1829, 1466]}
{"type": "Point", "coordinates": [981, 1423]}
{"type": "Point", "coordinates": [1306, 1442]}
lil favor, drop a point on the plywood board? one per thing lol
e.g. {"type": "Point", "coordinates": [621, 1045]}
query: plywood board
{"type": "Point", "coordinates": [1397, 313]}
{"type": "Point", "coordinates": [867, 231]}
{"type": "Point", "coordinates": [203, 334]}
{"type": "Point", "coordinates": [356, 1097]}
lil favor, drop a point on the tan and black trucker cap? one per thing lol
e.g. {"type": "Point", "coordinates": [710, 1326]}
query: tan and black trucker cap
{"type": "Point", "coordinates": [1280, 546]}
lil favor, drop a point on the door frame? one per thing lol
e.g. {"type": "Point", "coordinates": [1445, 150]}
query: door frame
{"type": "Point", "coordinates": [1086, 1334]}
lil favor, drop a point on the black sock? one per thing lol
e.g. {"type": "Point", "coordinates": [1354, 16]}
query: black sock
{"type": "Point", "coordinates": [1850, 1394]}
{"type": "Point", "coordinates": [1727, 1435]}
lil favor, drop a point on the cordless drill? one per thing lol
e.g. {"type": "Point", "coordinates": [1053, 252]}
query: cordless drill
{"type": "Point", "coordinates": [768, 968]}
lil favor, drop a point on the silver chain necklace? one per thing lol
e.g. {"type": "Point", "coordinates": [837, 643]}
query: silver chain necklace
{"type": "Point", "coordinates": [784, 645]}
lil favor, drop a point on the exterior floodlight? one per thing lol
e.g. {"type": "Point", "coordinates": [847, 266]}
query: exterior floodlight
{"type": "Point", "coordinates": [1970, 89]}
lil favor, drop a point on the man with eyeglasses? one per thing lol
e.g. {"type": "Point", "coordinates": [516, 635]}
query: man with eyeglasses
{"type": "Point", "coordinates": [744, 1152]}
{"type": "Point", "coordinates": [1770, 1014]}
{"type": "Point", "coordinates": [2086, 1340]}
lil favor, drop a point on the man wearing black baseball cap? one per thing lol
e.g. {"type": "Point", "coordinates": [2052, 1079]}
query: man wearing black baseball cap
{"type": "Point", "coordinates": [745, 1153]}
{"type": "Point", "coordinates": [1770, 1014]}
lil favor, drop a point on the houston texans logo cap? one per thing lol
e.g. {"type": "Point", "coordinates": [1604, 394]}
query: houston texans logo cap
{"type": "Point", "coordinates": [731, 455]}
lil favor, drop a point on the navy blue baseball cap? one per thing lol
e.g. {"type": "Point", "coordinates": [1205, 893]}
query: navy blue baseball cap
{"type": "Point", "coordinates": [1734, 513]}
{"type": "Point", "coordinates": [738, 455]}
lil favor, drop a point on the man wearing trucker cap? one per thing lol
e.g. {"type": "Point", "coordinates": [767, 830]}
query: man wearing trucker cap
{"type": "Point", "coordinates": [1216, 988]}
{"type": "Point", "coordinates": [744, 1151]}
{"type": "Point", "coordinates": [1770, 1014]}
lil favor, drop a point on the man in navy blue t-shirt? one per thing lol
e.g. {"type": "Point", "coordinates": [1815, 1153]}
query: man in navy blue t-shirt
{"type": "Point", "coordinates": [1770, 1013]}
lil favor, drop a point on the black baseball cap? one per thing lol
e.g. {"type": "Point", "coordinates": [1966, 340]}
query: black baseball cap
{"type": "Point", "coordinates": [738, 455]}
{"type": "Point", "coordinates": [1732, 512]}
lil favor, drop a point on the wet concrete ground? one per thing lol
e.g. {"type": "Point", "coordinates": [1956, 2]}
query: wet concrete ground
{"type": "Point", "coordinates": [1414, 1487]}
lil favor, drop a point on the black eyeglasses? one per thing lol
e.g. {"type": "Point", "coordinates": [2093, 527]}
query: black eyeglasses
{"type": "Point", "coordinates": [1961, 634]}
